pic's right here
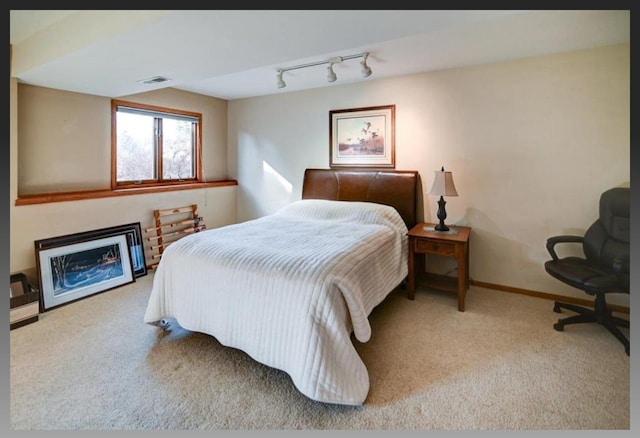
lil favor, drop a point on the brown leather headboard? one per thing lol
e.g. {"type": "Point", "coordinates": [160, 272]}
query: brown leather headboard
{"type": "Point", "coordinates": [396, 188]}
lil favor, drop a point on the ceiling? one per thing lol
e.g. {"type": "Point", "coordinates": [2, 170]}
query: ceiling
{"type": "Point", "coordinates": [234, 54]}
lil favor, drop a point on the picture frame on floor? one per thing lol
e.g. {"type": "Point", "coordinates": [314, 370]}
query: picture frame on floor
{"type": "Point", "coordinates": [73, 271]}
{"type": "Point", "coordinates": [23, 301]}
{"type": "Point", "coordinates": [133, 231]}
{"type": "Point", "coordinates": [18, 286]}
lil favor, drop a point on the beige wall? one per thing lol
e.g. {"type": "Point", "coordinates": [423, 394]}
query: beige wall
{"type": "Point", "coordinates": [65, 138]}
{"type": "Point", "coordinates": [63, 143]}
{"type": "Point", "coordinates": [531, 143]}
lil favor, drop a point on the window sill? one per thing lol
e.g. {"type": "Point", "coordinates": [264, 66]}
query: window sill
{"type": "Point", "coordinates": [45, 198]}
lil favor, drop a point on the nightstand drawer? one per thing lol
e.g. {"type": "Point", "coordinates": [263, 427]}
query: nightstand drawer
{"type": "Point", "coordinates": [431, 247]}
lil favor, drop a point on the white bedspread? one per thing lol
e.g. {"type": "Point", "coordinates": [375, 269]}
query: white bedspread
{"type": "Point", "coordinates": [289, 288]}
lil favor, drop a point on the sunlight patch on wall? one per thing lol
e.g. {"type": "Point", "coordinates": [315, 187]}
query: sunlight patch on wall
{"type": "Point", "coordinates": [288, 187]}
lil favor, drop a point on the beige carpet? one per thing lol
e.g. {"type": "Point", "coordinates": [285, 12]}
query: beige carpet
{"type": "Point", "coordinates": [93, 365]}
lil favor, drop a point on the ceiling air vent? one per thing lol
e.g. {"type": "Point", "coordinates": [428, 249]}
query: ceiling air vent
{"type": "Point", "coordinates": [153, 80]}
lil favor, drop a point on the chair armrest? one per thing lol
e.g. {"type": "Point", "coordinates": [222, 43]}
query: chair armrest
{"type": "Point", "coordinates": [553, 241]}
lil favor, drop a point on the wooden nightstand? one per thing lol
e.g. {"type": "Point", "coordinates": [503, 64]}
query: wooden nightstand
{"type": "Point", "coordinates": [423, 239]}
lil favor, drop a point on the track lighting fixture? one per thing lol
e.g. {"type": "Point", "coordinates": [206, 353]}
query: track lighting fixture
{"type": "Point", "coordinates": [331, 75]}
{"type": "Point", "coordinates": [365, 70]}
{"type": "Point", "coordinates": [281, 83]}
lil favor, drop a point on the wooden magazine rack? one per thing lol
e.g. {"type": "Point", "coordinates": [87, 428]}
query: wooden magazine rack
{"type": "Point", "coordinates": [170, 225]}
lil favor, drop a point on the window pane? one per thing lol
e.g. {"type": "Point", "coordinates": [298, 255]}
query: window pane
{"type": "Point", "coordinates": [177, 149]}
{"type": "Point", "coordinates": [135, 156]}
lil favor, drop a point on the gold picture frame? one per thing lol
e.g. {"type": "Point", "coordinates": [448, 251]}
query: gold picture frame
{"type": "Point", "coordinates": [362, 137]}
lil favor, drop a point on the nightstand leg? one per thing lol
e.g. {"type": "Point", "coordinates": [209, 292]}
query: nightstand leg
{"type": "Point", "coordinates": [462, 283]}
{"type": "Point", "coordinates": [466, 263]}
{"type": "Point", "coordinates": [461, 293]}
{"type": "Point", "coordinates": [411, 281]}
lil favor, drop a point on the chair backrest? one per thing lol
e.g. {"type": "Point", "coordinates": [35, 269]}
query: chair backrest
{"type": "Point", "coordinates": [608, 237]}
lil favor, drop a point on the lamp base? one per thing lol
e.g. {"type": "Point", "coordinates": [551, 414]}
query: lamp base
{"type": "Point", "coordinates": [432, 229]}
{"type": "Point", "coordinates": [442, 215]}
{"type": "Point", "coordinates": [441, 227]}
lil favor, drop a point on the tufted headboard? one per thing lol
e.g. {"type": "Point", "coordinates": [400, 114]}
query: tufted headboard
{"type": "Point", "coordinates": [397, 188]}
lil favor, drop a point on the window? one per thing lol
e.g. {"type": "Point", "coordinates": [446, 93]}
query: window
{"type": "Point", "coordinates": [154, 146]}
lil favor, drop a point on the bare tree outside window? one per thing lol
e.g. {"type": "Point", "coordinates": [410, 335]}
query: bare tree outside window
{"type": "Point", "coordinates": [135, 147]}
{"type": "Point", "coordinates": [154, 145]}
{"type": "Point", "coordinates": [177, 151]}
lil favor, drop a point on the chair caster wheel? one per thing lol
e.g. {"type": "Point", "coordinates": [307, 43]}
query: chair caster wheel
{"type": "Point", "coordinates": [558, 326]}
{"type": "Point", "coordinates": [556, 308]}
{"type": "Point", "coordinates": [626, 350]}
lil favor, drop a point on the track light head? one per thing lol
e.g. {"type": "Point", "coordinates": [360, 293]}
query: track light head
{"type": "Point", "coordinates": [331, 75]}
{"type": "Point", "coordinates": [281, 82]}
{"type": "Point", "coordinates": [365, 70]}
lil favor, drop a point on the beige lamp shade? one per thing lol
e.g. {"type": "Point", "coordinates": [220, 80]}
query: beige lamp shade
{"type": "Point", "coordinates": [443, 184]}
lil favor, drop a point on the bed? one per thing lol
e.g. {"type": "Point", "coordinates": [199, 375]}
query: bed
{"type": "Point", "coordinates": [290, 288]}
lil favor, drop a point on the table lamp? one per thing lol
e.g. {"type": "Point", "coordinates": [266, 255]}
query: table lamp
{"type": "Point", "coordinates": [443, 186]}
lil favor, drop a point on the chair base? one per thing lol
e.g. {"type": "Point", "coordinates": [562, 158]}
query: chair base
{"type": "Point", "coordinates": [600, 314]}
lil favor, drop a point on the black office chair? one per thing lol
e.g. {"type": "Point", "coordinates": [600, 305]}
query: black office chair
{"type": "Point", "coordinates": [603, 269]}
